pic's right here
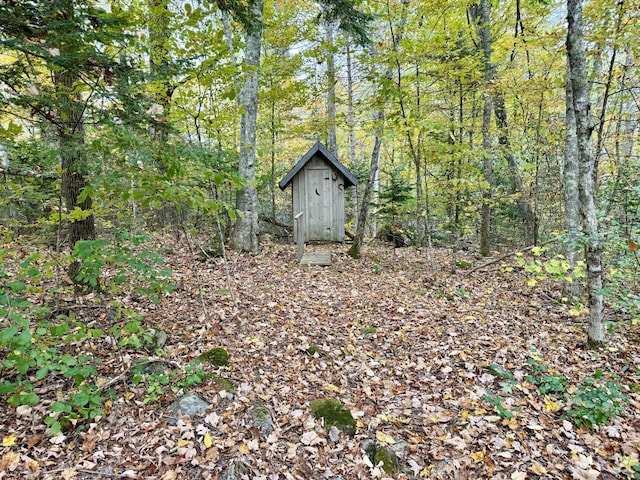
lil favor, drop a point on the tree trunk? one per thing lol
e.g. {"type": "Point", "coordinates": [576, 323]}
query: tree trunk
{"type": "Point", "coordinates": [355, 249]}
{"type": "Point", "coordinates": [245, 232]}
{"type": "Point", "coordinates": [526, 213]}
{"type": "Point", "coordinates": [332, 145]}
{"type": "Point", "coordinates": [571, 199]}
{"type": "Point", "coordinates": [481, 16]}
{"type": "Point", "coordinates": [351, 121]}
{"type": "Point", "coordinates": [576, 54]}
{"type": "Point", "coordinates": [74, 166]}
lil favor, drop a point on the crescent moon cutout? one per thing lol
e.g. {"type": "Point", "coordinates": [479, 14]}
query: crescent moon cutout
{"type": "Point", "coordinates": [340, 186]}
{"type": "Point", "coordinates": [317, 192]}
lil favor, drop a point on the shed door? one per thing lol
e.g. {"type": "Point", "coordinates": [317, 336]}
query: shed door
{"type": "Point", "coordinates": [320, 220]}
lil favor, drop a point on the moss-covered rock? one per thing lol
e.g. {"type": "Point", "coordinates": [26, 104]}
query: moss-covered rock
{"type": "Point", "coordinates": [262, 419]}
{"type": "Point", "coordinates": [388, 459]}
{"type": "Point", "coordinates": [221, 382]}
{"type": "Point", "coordinates": [334, 414]}
{"type": "Point", "coordinates": [388, 456]}
{"type": "Point", "coordinates": [216, 356]}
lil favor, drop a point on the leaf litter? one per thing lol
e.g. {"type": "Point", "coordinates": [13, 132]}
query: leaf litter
{"type": "Point", "coordinates": [408, 351]}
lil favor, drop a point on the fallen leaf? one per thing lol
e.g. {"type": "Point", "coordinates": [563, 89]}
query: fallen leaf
{"type": "Point", "coordinates": [477, 456]}
{"type": "Point", "coordinates": [538, 469]}
{"type": "Point", "coordinates": [8, 461]}
{"type": "Point", "coordinates": [9, 440]}
{"type": "Point", "coordinates": [207, 441]}
{"type": "Point", "coordinates": [384, 438]}
{"type": "Point", "coordinates": [58, 439]}
{"type": "Point", "coordinates": [243, 448]}
{"type": "Point", "coordinates": [551, 407]}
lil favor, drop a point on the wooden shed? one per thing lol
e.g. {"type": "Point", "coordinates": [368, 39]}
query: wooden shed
{"type": "Point", "coordinates": [318, 182]}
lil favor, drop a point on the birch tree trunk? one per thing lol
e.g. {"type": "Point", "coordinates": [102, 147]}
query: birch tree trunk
{"type": "Point", "coordinates": [331, 91]}
{"type": "Point", "coordinates": [576, 55]}
{"type": "Point", "coordinates": [244, 236]}
{"type": "Point", "coordinates": [571, 199]}
{"type": "Point", "coordinates": [351, 121]}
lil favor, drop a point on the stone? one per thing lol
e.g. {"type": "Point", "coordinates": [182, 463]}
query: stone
{"type": "Point", "coordinates": [190, 405]}
{"type": "Point", "coordinates": [389, 460]}
{"type": "Point", "coordinates": [334, 414]}
{"type": "Point", "coordinates": [154, 339]}
{"type": "Point", "coordinates": [236, 470]}
{"type": "Point", "coordinates": [388, 456]}
{"type": "Point", "coordinates": [262, 419]}
{"type": "Point", "coordinates": [216, 356]}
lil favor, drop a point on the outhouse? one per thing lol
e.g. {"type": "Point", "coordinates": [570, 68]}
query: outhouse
{"type": "Point", "coordinates": [318, 182]}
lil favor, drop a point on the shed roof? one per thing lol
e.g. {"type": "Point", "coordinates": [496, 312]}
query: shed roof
{"type": "Point", "coordinates": [319, 149]}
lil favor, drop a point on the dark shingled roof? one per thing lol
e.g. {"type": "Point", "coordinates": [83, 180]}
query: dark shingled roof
{"type": "Point", "coordinates": [319, 149]}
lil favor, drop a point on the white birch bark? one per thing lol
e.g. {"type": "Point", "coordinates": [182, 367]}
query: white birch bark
{"type": "Point", "coordinates": [571, 199]}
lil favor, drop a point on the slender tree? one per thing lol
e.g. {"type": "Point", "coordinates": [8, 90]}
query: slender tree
{"type": "Point", "coordinates": [481, 15]}
{"type": "Point", "coordinates": [576, 56]}
{"type": "Point", "coordinates": [245, 232]}
{"type": "Point", "coordinates": [570, 187]}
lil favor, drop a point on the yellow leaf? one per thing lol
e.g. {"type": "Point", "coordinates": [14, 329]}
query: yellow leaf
{"type": "Point", "coordinates": [538, 469]}
{"type": "Point", "coordinates": [531, 282]}
{"type": "Point", "coordinates": [207, 440]}
{"type": "Point", "coordinates": [477, 456]}
{"type": "Point", "coordinates": [9, 440]}
{"type": "Point", "coordinates": [183, 443]}
{"type": "Point", "coordinates": [243, 448]}
{"type": "Point", "coordinates": [384, 438]}
{"type": "Point", "coordinates": [332, 388]}
{"type": "Point", "coordinates": [512, 423]}
{"type": "Point", "coordinates": [551, 407]}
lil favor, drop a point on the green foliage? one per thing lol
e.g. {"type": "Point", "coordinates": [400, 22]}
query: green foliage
{"type": "Point", "coordinates": [334, 414]}
{"type": "Point", "coordinates": [557, 268]}
{"type": "Point", "coordinates": [597, 401]}
{"type": "Point", "coordinates": [546, 382]}
{"type": "Point", "coordinates": [159, 379]}
{"type": "Point", "coordinates": [497, 402]}
{"type": "Point", "coordinates": [83, 403]}
{"type": "Point", "coordinates": [394, 197]}
{"type": "Point", "coordinates": [134, 265]}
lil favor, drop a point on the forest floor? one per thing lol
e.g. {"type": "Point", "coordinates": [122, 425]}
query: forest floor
{"type": "Point", "coordinates": [464, 372]}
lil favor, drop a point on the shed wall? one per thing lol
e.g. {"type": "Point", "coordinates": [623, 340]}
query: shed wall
{"type": "Point", "coordinates": [318, 190]}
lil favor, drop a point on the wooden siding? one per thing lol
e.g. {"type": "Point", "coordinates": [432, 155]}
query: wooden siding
{"type": "Point", "coordinates": [318, 191]}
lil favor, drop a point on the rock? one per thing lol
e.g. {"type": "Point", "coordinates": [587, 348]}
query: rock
{"type": "Point", "coordinates": [189, 405]}
{"type": "Point", "coordinates": [236, 470]}
{"type": "Point", "coordinates": [334, 414]}
{"type": "Point", "coordinates": [369, 446]}
{"type": "Point", "coordinates": [221, 382]}
{"type": "Point", "coordinates": [154, 339]}
{"type": "Point", "coordinates": [262, 419]}
{"type": "Point", "coordinates": [156, 367]}
{"type": "Point", "coordinates": [388, 459]}
{"type": "Point", "coordinates": [216, 356]}
{"type": "Point", "coordinates": [399, 448]}
{"type": "Point", "coordinates": [388, 456]}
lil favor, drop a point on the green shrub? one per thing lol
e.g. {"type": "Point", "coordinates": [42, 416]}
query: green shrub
{"type": "Point", "coordinates": [596, 402]}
